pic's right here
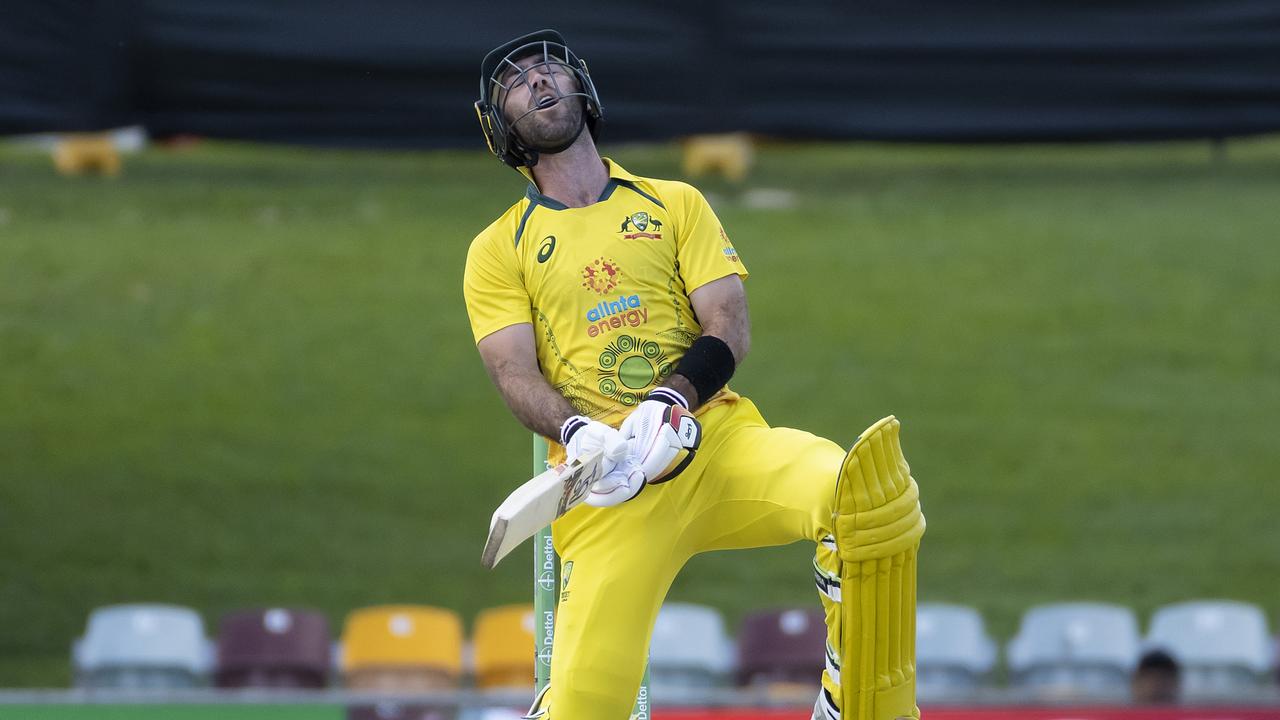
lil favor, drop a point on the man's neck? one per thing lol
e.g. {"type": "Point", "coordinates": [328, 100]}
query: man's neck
{"type": "Point", "coordinates": [576, 177]}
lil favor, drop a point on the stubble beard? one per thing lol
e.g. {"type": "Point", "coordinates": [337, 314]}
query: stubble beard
{"type": "Point", "coordinates": [553, 127]}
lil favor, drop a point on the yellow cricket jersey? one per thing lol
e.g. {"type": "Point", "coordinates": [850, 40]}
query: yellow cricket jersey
{"type": "Point", "coordinates": [606, 287]}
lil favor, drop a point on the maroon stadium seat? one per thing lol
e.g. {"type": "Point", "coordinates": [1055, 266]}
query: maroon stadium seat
{"type": "Point", "coordinates": [273, 648]}
{"type": "Point", "coordinates": [782, 647]}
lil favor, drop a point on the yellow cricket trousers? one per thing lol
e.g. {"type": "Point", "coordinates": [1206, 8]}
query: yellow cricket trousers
{"type": "Point", "coordinates": [749, 486]}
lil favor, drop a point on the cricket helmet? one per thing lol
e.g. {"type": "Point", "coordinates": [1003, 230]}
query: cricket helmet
{"type": "Point", "coordinates": [499, 72]}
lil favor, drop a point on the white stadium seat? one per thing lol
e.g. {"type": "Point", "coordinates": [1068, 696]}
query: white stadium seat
{"type": "Point", "coordinates": [142, 646]}
{"type": "Point", "coordinates": [690, 649]}
{"type": "Point", "coordinates": [1221, 645]}
{"type": "Point", "coordinates": [954, 654]}
{"type": "Point", "coordinates": [1075, 650]}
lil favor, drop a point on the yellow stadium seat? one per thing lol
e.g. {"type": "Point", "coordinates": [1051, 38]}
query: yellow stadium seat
{"type": "Point", "coordinates": [503, 644]}
{"type": "Point", "coordinates": [729, 154]}
{"type": "Point", "coordinates": [402, 648]}
{"type": "Point", "coordinates": [86, 153]}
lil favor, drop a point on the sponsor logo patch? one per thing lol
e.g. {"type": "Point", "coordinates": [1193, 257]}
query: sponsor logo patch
{"type": "Point", "coordinates": [640, 222]}
{"type": "Point", "coordinates": [548, 246]}
{"type": "Point", "coordinates": [566, 572]}
{"type": "Point", "coordinates": [609, 315]}
{"type": "Point", "coordinates": [729, 252]}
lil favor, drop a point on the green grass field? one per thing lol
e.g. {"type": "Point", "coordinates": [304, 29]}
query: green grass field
{"type": "Point", "coordinates": [242, 375]}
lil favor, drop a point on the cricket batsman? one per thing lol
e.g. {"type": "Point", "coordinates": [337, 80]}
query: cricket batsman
{"type": "Point", "coordinates": [608, 308]}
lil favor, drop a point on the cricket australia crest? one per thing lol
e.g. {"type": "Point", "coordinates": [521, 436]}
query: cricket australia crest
{"type": "Point", "coordinates": [641, 221]}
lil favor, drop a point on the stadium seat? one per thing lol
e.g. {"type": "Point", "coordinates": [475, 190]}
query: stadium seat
{"type": "Point", "coordinates": [689, 649]}
{"type": "Point", "coordinates": [503, 647]}
{"type": "Point", "coordinates": [728, 154]}
{"type": "Point", "coordinates": [402, 648]}
{"type": "Point", "coordinates": [273, 648]}
{"type": "Point", "coordinates": [399, 711]}
{"type": "Point", "coordinates": [1222, 646]}
{"type": "Point", "coordinates": [1075, 650]}
{"type": "Point", "coordinates": [87, 153]}
{"type": "Point", "coordinates": [954, 654]}
{"type": "Point", "coordinates": [142, 646]}
{"type": "Point", "coordinates": [783, 650]}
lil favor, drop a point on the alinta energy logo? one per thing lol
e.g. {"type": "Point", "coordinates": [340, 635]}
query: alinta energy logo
{"type": "Point", "coordinates": [624, 311]}
{"type": "Point", "coordinates": [603, 276]}
{"type": "Point", "coordinates": [640, 222]}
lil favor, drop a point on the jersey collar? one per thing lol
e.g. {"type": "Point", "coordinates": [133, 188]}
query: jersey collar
{"type": "Point", "coordinates": [617, 174]}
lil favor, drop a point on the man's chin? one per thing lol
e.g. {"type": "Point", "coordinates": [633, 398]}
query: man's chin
{"type": "Point", "coordinates": [548, 144]}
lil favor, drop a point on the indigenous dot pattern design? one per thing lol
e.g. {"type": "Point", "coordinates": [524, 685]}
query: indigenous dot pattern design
{"type": "Point", "coordinates": [629, 367]}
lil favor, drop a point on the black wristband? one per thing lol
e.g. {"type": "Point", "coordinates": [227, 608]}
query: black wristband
{"type": "Point", "coordinates": [708, 364]}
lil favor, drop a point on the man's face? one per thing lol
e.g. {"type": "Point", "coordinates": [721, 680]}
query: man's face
{"type": "Point", "coordinates": [536, 102]}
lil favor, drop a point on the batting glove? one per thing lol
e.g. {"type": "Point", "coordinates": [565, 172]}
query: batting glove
{"type": "Point", "coordinates": [581, 436]}
{"type": "Point", "coordinates": [624, 482]}
{"type": "Point", "coordinates": [662, 435]}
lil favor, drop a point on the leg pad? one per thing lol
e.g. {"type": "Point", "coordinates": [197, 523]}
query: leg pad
{"type": "Point", "coordinates": [878, 525]}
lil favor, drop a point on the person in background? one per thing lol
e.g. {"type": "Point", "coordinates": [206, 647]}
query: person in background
{"type": "Point", "coordinates": [1157, 679]}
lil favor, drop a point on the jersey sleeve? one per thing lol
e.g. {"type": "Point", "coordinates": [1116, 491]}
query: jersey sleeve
{"type": "Point", "coordinates": [492, 285]}
{"type": "Point", "coordinates": [702, 246]}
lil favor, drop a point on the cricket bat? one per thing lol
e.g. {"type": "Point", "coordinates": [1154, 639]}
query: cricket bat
{"type": "Point", "coordinates": [533, 505]}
